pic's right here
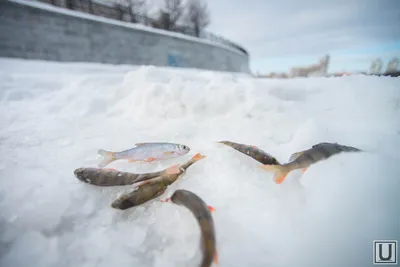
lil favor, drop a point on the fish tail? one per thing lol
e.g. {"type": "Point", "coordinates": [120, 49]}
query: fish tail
{"type": "Point", "coordinates": [211, 208]}
{"type": "Point", "coordinates": [281, 172]}
{"type": "Point", "coordinates": [108, 157]}
{"type": "Point", "coordinates": [216, 258]}
{"type": "Point", "coordinates": [174, 169]}
{"type": "Point", "coordinates": [198, 157]}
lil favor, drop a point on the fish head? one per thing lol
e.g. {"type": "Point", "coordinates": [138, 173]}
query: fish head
{"type": "Point", "coordinates": [127, 200]}
{"type": "Point", "coordinates": [78, 172]}
{"type": "Point", "coordinates": [122, 203]}
{"type": "Point", "coordinates": [178, 196]}
{"type": "Point", "coordinates": [182, 149]}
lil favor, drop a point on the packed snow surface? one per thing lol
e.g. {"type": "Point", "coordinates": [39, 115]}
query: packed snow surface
{"type": "Point", "coordinates": [54, 117]}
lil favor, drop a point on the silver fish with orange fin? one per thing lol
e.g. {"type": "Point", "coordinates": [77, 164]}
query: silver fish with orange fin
{"type": "Point", "coordinates": [153, 188]}
{"type": "Point", "coordinates": [204, 218]}
{"type": "Point", "coordinates": [252, 151]}
{"type": "Point", "coordinates": [112, 177]}
{"type": "Point", "coordinates": [147, 152]}
{"type": "Point", "coordinates": [303, 159]}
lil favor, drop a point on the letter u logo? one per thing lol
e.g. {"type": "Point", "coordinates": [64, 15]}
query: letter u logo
{"type": "Point", "coordinates": [380, 253]}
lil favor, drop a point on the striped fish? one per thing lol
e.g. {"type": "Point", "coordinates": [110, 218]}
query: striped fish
{"type": "Point", "coordinates": [252, 151]}
{"type": "Point", "coordinates": [154, 187]}
{"type": "Point", "coordinates": [201, 211]}
{"type": "Point", "coordinates": [303, 159]}
{"type": "Point", "coordinates": [111, 177]}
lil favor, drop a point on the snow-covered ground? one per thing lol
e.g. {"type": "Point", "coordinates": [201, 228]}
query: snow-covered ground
{"type": "Point", "coordinates": [54, 117]}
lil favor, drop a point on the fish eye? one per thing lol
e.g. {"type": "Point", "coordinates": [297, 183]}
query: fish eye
{"type": "Point", "coordinates": [184, 147]}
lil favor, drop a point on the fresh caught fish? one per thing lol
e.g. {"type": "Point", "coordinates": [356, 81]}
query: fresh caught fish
{"type": "Point", "coordinates": [204, 218]}
{"type": "Point", "coordinates": [147, 152]}
{"type": "Point", "coordinates": [303, 159]}
{"type": "Point", "coordinates": [155, 187]}
{"type": "Point", "coordinates": [252, 151]}
{"type": "Point", "coordinates": [110, 177]}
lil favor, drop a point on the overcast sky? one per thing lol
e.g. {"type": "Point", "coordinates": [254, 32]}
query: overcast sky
{"type": "Point", "coordinates": [280, 34]}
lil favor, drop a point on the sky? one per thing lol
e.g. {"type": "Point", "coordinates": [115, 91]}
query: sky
{"type": "Point", "coordinates": [282, 34]}
{"type": "Point", "coordinates": [294, 33]}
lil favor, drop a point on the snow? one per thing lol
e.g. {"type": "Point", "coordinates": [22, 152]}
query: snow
{"type": "Point", "coordinates": [55, 116]}
{"type": "Point", "coordinates": [135, 26]}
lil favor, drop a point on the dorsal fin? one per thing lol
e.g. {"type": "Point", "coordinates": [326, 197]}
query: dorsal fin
{"type": "Point", "coordinates": [148, 143]}
{"type": "Point", "coordinates": [294, 156]}
{"type": "Point", "coordinates": [139, 144]}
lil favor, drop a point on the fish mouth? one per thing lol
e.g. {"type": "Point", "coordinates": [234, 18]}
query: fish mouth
{"type": "Point", "coordinates": [78, 172]}
{"type": "Point", "coordinates": [122, 204]}
{"type": "Point", "coordinates": [115, 205]}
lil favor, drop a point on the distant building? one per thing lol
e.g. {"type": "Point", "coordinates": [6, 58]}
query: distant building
{"type": "Point", "coordinates": [315, 70]}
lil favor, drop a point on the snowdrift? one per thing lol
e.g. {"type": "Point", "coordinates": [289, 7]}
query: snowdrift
{"type": "Point", "coordinates": [54, 117]}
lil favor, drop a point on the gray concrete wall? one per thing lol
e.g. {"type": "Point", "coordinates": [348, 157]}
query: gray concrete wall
{"type": "Point", "coordinates": [49, 33]}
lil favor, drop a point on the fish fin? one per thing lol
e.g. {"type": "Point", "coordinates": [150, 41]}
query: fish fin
{"type": "Point", "coordinates": [168, 152]}
{"type": "Point", "coordinates": [173, 169]}
{"type": "Point", "coordinates": [280, 172]}
{"type": "Point", "coordinates": [304, 170]}
{"type": "Point", "coordinates": [140, 144]}
{"type": "Point", "coordinates": [198, 157]}
{"type": "Point", "coordinates": [162, 192]}
{"type": "Point", "coordinates": [150, 159]}
{"type": "Point", "coordinates": [147, 143]}
{"type": "Point", "coordinates": [211, 208]}
{"type": "Point", "coordinates": [146, 182]}
{"type": "Point", "coordinates": [112, 169]}
{"type": "Point", "coordinates": [132, 160]}
{"type": "Point", "coordinates": [165, 200]}
{"type": "Point", "coordinates": [295, 155]}
{"type": "Point", "coordinates": [223, 143]}
{"type": "Point", "coordinates": [108, 157]}
{"type": "Point", "coordinates": [216, 258]}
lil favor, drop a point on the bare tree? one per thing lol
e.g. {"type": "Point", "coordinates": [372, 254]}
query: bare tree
{"type": "Point", "coordinates": [392, 65]}
{"type": "Point", "coordinates": [134, 8]}
{"type": "Point", "coordinates": [90, 6]}
{"type": "Point", "coordinates": [144, 11]}
{"type": "Point", "coordinates": [69, 4]}
{"type": "Point", "coordinates": [169, 16]}
{"type": "Point", "coordinates": [121, 10]}
{"type": "Point", "coordinates": [376, 66]}
{"type": "Point", "coordinates": [198, 15]}
{"type": "Point", "coordinates": [131, 7]}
